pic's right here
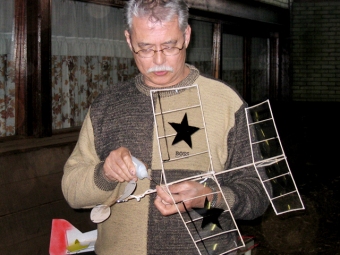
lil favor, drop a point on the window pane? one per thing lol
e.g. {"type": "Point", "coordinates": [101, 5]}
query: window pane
{"type": "Point", "coordinates": [232, 61]}
{"type": "Point", "coordinates": [7, 71]}
{"type": "Point", "coordinates": [259, 69]}
{"type": "Point", "coordinates": [89, 52]}
{"type": "Point", "coordinates": [199, 52]}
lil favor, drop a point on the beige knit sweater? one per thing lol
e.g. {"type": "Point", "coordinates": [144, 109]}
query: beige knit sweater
{"type": "Point", "coordinates": [122, 116]}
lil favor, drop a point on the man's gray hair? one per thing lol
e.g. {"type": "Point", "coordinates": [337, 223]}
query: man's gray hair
{"type": "Point", "coordinates": [157, 11]}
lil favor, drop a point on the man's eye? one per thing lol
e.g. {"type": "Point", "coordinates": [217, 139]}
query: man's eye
{"type": "Point", "coordinates": [147, 50]}
{"type": "Point", "coordinates": [170, 49]}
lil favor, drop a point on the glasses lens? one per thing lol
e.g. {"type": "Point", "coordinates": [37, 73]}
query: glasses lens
{"type": "Point", "coordinates": [167, 52]}
{"type": "Point", "coordinates": [146, 53]}
{"type": "Point", "coordinates": [171, 51]}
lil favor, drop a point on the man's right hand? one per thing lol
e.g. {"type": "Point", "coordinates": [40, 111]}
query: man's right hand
{"type": "Point", "coordinates": [118, 166]}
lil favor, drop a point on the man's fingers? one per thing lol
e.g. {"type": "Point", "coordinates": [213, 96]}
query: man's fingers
{"type": "Point", "coordinates": [116, 170]}
{"type": "Point", "coordinates": [163, 193]}
{"type": "Point", "coordinates": [131, 169]}
{"type": "Point", "coordinates": [164, 207]}
{"type": "Point", "coordinates": [122, 169]}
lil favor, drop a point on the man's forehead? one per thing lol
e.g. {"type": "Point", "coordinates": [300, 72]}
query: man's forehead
{"type": "Point", "coordinates": [151, 24]}
{"type": "Point", "coordinates": [148, 32]}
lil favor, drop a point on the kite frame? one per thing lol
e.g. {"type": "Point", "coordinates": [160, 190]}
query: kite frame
{"type": "Point", "coordinates": [211, 173]}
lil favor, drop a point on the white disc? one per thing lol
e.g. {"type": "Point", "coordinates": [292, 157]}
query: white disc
{"type": "Point", "coordinates": [100, 213]}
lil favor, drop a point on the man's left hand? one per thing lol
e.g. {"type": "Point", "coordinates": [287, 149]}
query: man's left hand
{"type": "Point", "coordinates": [182, 193]}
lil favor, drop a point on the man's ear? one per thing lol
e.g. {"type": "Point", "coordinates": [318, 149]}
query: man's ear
{"type": "Point", "coordinates": [187, 35]}
{"type": "Point", "coordinates": [127, 37]}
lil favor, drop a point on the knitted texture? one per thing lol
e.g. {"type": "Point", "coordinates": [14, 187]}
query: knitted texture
{"type": "Point", "coordinates": [122, 116]}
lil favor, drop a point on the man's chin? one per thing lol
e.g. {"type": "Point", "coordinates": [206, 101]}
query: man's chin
{"type": "Point", "coordinates": [159, 83]}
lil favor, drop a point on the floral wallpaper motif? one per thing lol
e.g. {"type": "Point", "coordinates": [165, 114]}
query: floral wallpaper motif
{"type": "Point", "coordinates": [7, 97]}
{"type": "Point", "coordinates": [77, 80]}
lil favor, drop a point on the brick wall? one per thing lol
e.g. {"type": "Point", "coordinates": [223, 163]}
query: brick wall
{"type": "Point", "coordinates": [315, 56]}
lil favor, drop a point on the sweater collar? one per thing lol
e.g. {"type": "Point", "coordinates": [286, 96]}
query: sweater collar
{"type": "Point", "coordinates": [189, 80]}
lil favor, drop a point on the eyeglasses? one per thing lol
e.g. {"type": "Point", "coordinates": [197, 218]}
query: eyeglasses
{"type": "Point", "coordinates": [148, 53]}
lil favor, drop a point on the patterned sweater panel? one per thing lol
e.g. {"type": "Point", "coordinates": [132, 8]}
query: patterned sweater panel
{"type": "Point", "coordinates": [123, 116]}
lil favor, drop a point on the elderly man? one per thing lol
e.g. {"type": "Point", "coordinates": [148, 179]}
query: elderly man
{"type": "Point", "coordinates": [120, 123]}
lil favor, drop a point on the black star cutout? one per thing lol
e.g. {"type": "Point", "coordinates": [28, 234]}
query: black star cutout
{"type": "Point", "coordinates": [210, 215]}
{"type": "Point", "coordinates": [184, 131]}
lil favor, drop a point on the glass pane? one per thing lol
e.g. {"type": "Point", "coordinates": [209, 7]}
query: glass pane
{"type": "Point", "coordinates": [271, 164]}
{"type": "Point", "coordinates": [213, 230]}
{"type": "Point", "coordinates": [259, 69]}
{"type": "Point", "coordinates": [260, 112]}
{"type": "Point", "coordinates": [179, 126]}
{"type": "Point", "coordinates": [7, 71]}
{"type": "Point", "coordinates": [290, 202]}
{"type": "Point", "coordinates": [263, 126]}
{"type": "Point", "coordinates": [232, 61]}
{"type": "Point", "coordinates": [277, 169]}
{"type": "Point", "coordinates": [199, 52]}
{"type": "Point", "coordinates": [89, 52]}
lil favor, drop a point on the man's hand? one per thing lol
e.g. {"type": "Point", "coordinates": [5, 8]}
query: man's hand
{"type": "Point", "coordinates": [118, 166]}
{"type": "Point", "coordinates": [181, 192]}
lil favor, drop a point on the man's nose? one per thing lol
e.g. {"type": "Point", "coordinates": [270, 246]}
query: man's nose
{"type": "Point", "coordinates": [159, 57]}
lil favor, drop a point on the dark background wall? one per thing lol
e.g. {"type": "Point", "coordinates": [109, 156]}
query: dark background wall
{"type": "Point", "coordinates": [31, 197]}
{"type": "Point", "coordinates": [315, 58]}
{"type": "Point", "coordinates": [309, 136]}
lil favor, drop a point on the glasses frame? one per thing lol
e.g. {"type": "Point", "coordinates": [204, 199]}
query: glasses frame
{"type": "Point", "coordinates": [154, 51]}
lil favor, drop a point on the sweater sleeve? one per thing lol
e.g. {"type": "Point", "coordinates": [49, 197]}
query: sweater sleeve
{"type": "Point", "coordinates": [82, 172]}
{"type": "Point", "coordinates": [242, 187]}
